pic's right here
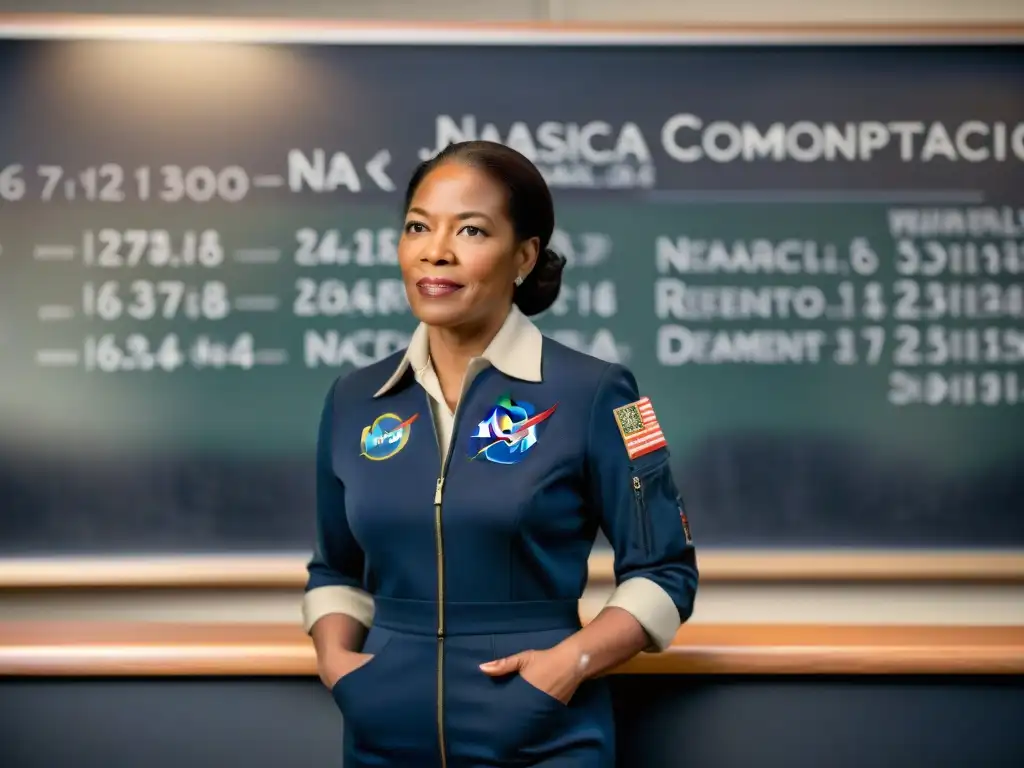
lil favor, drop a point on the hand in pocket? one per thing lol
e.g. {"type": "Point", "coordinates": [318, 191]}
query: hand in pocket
{"type": "Point", "coordinates": [336, 666]}
{"type": "Point", "coordinates": [552, 671]}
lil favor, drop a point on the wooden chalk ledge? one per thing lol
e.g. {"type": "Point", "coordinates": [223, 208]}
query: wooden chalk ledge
{"type": "Point", "coordinates": [138, 649]}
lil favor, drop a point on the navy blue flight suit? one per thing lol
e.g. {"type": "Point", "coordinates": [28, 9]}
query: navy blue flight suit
{"type": "Point", "coordinates": [459, 557]}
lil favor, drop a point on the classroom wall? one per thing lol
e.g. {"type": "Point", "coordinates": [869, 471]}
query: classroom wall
{"type": "Point", "coordinates": [714, 721]}
{"type": "Point", "coordinates": [710, 722]}
{"type": "Point", "coordinates": [923, 603]}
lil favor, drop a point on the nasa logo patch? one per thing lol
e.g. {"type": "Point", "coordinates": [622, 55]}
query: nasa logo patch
{"type": "Point", "coordinates": [388, 435]}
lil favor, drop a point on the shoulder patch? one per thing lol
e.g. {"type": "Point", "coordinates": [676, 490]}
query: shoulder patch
{"type": "Point", "coordinates": [639, 428]}
{"type": "Point", "coordinates": [686, 525]}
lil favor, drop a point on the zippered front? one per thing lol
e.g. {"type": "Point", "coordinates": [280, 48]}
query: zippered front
{"type": "Point", "coordinates": [439, 547]}
{"type": "Point", "coordinates": [439, 539]}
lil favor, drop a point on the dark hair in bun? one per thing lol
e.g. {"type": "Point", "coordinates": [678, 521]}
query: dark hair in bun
{"type": "Point", "coordinates": [530, 209]}
{"type": "Point", "coordinates": [540, 288]}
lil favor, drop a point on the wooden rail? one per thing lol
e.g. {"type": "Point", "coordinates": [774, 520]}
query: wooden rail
{"type": "Point", "coordinates": [716, 567]}
{"type": "Point", "coordinates": [138, 649]}
{"type": "Point", "coordinates": [240, 26]}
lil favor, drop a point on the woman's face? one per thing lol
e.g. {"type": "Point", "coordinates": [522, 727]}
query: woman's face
{"type": "Point", "coordinates": [458, 251]}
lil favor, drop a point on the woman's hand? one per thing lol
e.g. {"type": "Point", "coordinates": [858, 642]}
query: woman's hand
{"type": "Point", "coordinates": [334, 666]}
{"type": "Point", "coordinates": [556, 671]}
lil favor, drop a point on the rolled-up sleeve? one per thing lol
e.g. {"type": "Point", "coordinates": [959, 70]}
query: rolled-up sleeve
{"type": "Point", "coordinates": [643, 515]}
{"type": "Point", "coordinates": [334, 581]}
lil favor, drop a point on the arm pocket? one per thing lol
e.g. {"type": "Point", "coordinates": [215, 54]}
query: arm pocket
{"type": "Point", "coordinates": [650, 482]}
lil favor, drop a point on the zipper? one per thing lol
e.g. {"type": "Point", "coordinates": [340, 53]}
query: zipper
{"type": "Point", "coordinates": [439, 542]}
{"type": "Point", "coordinates": [439, 547]}
{"type": "Point", "coordinates": [641, 513]}
{"type": "Point", "coordinates": [439, 539]}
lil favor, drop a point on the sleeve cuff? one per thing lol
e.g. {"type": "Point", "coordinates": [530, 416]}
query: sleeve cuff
{"type": "Point", "coordinates": [650, 605]}
{"type": "Point", "coordinates": [351, 601]}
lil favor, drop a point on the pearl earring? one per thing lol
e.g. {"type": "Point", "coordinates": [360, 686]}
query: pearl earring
{"type": "Point", "coordinates": [519, 281]}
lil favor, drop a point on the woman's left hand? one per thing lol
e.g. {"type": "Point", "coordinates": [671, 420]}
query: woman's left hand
{"type": "Point", "coordinates": [556, 671]}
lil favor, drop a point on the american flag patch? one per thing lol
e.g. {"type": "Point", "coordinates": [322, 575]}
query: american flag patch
{"type": "Point", "coordinates": [639, 428]}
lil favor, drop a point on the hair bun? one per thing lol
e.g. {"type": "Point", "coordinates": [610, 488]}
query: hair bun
{"type": "Point", "coordinates": [557, 262]}
{"type": "Point", "coordinates": [541, 287]}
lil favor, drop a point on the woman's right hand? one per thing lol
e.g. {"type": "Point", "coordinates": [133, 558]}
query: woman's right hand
{"type": "Point", "coordinates": [334, 666]}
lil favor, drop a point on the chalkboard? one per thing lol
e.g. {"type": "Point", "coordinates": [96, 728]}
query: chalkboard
{"type": "Point", "coordinates": [811, 257]}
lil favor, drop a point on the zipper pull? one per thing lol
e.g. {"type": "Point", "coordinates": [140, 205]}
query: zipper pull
{"type": "Point", "coordinates": [437, 490]}
{"type": "Point", "coordinates": [636, 483]}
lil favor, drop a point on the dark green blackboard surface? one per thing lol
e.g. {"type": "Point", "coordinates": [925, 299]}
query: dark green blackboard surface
{"type": "Point", "coordinates": [812, 258]}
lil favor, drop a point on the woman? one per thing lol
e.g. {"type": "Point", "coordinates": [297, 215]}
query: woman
{"type": "Point", "coordinates": [460, 486]}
